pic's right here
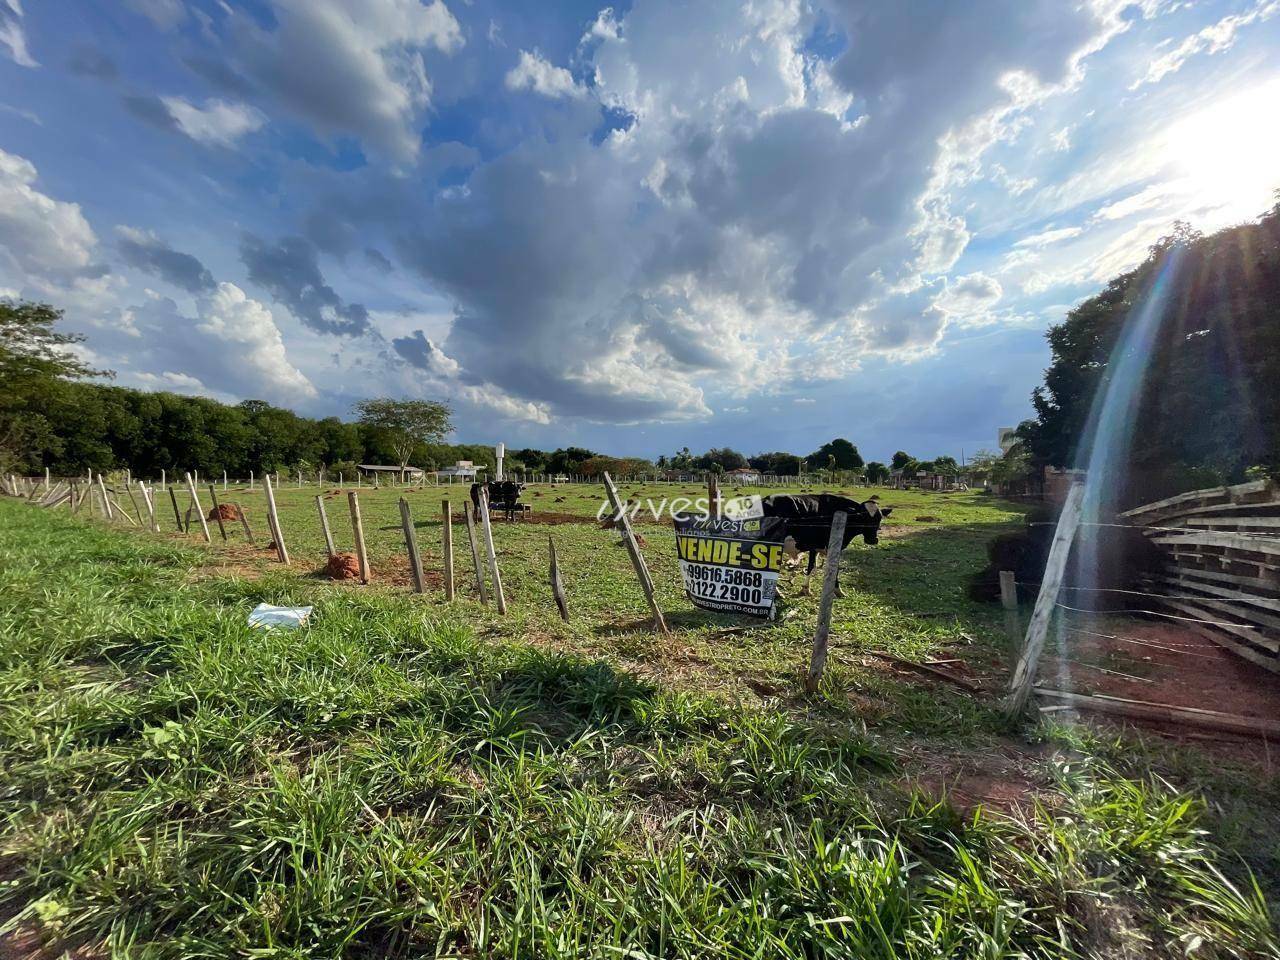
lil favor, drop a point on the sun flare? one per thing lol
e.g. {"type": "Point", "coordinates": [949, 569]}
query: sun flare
{"type": "Point", "coordinates": [1228, 154]}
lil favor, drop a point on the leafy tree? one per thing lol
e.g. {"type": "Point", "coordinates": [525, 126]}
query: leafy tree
{"type": "Point", "coordinates": [946, 466]}
{"type": "Point", "coordinates": [535, 461]}
{"type": "Point", "coordinates": [845, 454]}
{"type": "Point", "coordinates": [36, 363]}
{"type": "Point", "coordinates": [569, 460]}
{"type": "Point", "coordinates": [779, 464]}
{"type": "Point", "coordinates": [877, 472]}
{"type": "Point", "coordinates": [901, 460]}
{"type": "Point", "coordinates": [405, 425]}
{"type": "Point", "coordinates": [683, 460]}
{"type": "Point", "coordinates": [722, 457]}
{"type": "Point", "coordinates": [1209, 404]}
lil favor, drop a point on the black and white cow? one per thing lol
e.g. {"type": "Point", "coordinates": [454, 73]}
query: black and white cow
{"type": "Point", "coordinates": [503, 495]}
{"type": "Point", "coordinates": [808, 521]}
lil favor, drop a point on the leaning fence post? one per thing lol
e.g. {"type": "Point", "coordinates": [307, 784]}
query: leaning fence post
{"type": "Point", "coordinates": [273, 519]}
{"type": "Point", "coordinates": [217, 511]}
{"type": "Point", "coordinates": [195, 502]}
{"type": "Point", "coordinates": [177, 513]}
{"type": "Point", "coordinates": [128, 488]}
{"type": "Point", "coordinates": [494, 573]}
{"type": "Point", "coordinates": [830, 580]}
{"type": "Point", "coordinates": [148, 497]}
{"type": "Point", "coordinates": [446, 514]}
{"type": "Point", "coordinates": [324, 526]}
{"type": "Point", "coordinates": [637, 558]}
{"type": "Point", "coordinates": [106, 504]}
{"type": "Point", "coordinates": [1024, 674]}
{"type": "Point", "coordinates": [475, 553]}
{"type": "Point", "coordinates": [411, 542]}
{"type": "Point", "coordinates": [557, 587]}
{"type": "Point", "coordinates": [244, 522]}
{"type": "Point", "coordinates": [357, 528]}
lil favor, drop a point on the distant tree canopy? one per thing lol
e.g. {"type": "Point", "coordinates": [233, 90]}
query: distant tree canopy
{"type": "Point", "coordinates": [844, 453]}
{"type": "Point", "coordinates": [901, 460]}
{"type": "Point", "coordinates": [877, 472]}
{"type": "Point", "coordinates": [720, 457]}
{"type": "Point", "coordinates": [1209, 407]}
{"type": "Point", "coordinates": [405, 425]}
{"type": "Point", "coordinates": [777, 464]}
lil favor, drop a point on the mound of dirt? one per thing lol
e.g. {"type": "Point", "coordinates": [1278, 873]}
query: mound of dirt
{"type": "Point", "coordinates": [343, 566]}
{"type": "Point", "coordinates": [224, 511]}
{"type": "Point", "coordinates": [928, 519]}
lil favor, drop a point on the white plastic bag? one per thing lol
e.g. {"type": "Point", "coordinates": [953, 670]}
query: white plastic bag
{"type": "Point", "coordinates": [265, 616]}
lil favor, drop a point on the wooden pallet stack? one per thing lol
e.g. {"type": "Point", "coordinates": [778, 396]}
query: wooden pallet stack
{"type": "Point", "coordinates": [1222, 547]}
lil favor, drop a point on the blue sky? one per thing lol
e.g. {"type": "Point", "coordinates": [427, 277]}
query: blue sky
{"type": "Point", "coordinates": [634, 228]}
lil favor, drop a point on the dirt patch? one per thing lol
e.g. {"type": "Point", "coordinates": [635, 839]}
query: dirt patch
{"type": "Point", "coordinates": [1002, 780]}
{"type": "Point", "coordinates": [343, 566]}
{"type": "Point", "coordinates": [224, 511]}
{"type": "Point", "coordinates": [1164, 663]}
{"type": "Point", "coordinates": [928, 519]}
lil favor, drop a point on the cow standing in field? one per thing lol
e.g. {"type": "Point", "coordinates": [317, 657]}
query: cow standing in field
{"type": "Point", "coordinates": [503, 495]}
{"type": "Point", "coordinates": [808, 520]}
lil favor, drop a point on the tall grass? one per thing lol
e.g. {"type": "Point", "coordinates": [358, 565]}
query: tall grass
{"type": "Point", "coordinates": [384, 784]}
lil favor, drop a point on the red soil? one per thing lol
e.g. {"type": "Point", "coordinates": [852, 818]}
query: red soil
{"type": "Point", "coordinates": [343, 566]}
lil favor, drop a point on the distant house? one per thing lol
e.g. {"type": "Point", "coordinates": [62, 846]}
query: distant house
{"type": "Point", "coordinates": [462, 470]}
{"type": "Point", "coordinates": [375, 470]}
{"type": "Point", "coordinates": [742, 475]}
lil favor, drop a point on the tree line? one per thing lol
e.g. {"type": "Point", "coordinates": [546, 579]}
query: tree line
{"type": "Point", "coordinates": [1209, 405]}
{"type": "Point", "coordinates": [55, 414]}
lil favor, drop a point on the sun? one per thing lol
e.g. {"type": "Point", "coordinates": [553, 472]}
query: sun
{"type": "Point", "coordinates": [1227, 155]}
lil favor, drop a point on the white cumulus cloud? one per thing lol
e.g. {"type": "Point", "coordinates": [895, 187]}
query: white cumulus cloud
{"type": "Point", "coordinates": [217, 123]}
{"type": "Point", "coordinates": [535, 73]}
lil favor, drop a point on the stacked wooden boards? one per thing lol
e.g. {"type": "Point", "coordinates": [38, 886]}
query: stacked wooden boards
{"type": "Point", "coordinates": [1222, 547]}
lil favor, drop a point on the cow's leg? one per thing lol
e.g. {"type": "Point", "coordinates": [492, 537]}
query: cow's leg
{"type": "Point", "coordinates": [808, 575]}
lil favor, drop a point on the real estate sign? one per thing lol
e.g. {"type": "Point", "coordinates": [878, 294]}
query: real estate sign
{"type": "Point", "coordinates": [731, 565]}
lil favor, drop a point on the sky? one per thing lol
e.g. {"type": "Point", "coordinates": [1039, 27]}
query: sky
{"type": "Point", "coordinates": [633, 228]}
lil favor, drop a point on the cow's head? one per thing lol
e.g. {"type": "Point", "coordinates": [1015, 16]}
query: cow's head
{"type": "Point", "coordinates": [868, 521]}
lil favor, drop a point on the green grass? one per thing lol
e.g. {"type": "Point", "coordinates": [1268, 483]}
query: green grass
{"type": "Point", "coordinates": [905, 596]}
{"type": "Point", "coordinates": [409, 778]}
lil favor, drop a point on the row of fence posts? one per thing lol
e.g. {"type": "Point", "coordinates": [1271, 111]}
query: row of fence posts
{"type": "Point", "coordinates": [53, 496]}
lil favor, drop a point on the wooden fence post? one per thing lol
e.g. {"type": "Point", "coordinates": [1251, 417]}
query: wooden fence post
{"type": "Point", "coordinates": [357, 528]}
{"type": "Point", "coordinates": [637, 558]}
{"type": "Point", "coordinates": [244, 522]}
{"type": "Point", "coordinates": [475, 553]}
{"type": "Point", "coordinates": [1009, 601]}
{"type": "Point", "coordinates": [1024, 674]}
{"type": "Point", "coordinates": [830, 580]}
{"type": "Point", "coordinates": [217, 511]}
{"type": "Point", "coordinates": [411, 542]}
{"type": "Point", "coordinates": [715, 505]}
{"type": "Point", "coordinates": [149, 499]}
{"type": "Point", "coordinates": [324, 526]}
{"type": "Point", "coordinates": [106, 503]}
{"type": "Point", "coordinates": [195, 502]}
{"type": "Point", "coordinates": [128, 488]}
{"type": "Point", "coordinates": [177, 514]}
{"type": "Point", "coordinates": [273, 519]}
{"type": "Point", "coordinates": [557, 587]}
{"type": "Point", "coordinates": [446, 515]}
{"type": "Point", "coordinates": [494, 574]}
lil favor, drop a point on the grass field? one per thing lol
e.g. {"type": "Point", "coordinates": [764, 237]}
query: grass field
{"type": "Point", "coordinates": [406, 777]}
